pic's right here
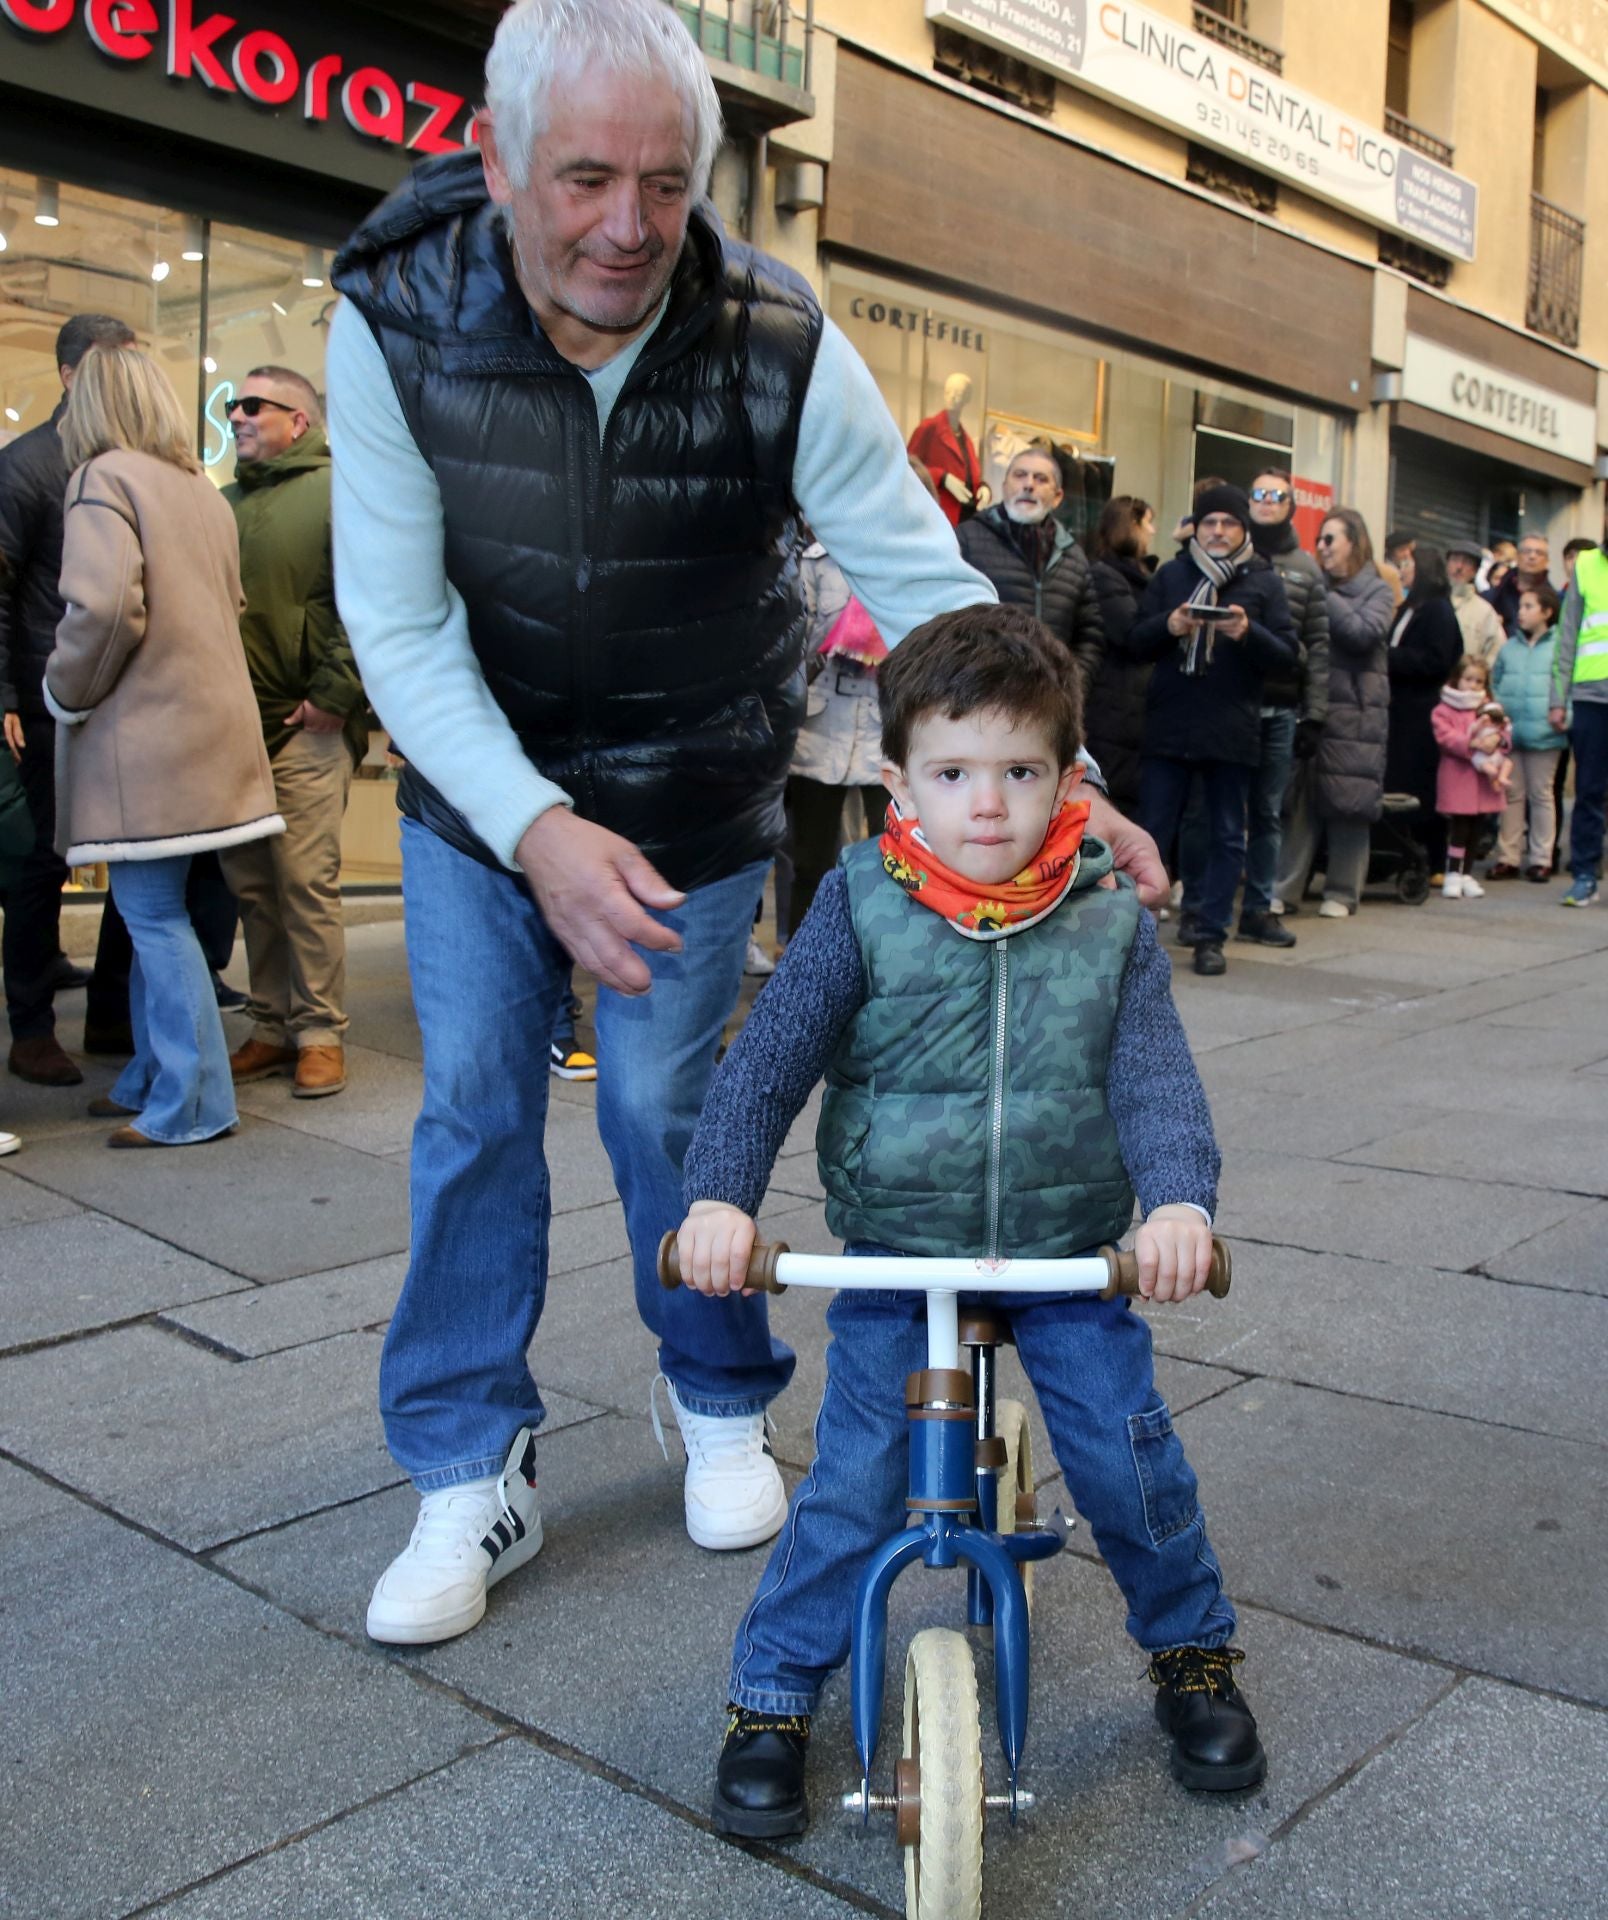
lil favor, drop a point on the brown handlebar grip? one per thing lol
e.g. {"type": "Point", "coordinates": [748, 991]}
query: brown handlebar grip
{"type": "Point", "coordinates": [762, 1260]}
{"type": "Point", "coordinates": [1123, 1271]}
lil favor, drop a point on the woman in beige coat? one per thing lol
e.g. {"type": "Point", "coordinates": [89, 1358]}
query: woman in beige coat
{"type": "Point", "coordinates": [160, 755]}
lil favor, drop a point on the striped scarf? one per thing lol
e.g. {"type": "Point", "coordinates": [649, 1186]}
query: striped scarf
{"type": "Point", "coordinates": [1215, 575]}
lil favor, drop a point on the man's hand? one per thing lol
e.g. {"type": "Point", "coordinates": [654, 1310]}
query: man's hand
{"type": "Point", "coordinates": [713, 1245]}
{"type": "Point", "coordinates": [313, 719]}
{"type": "Point", "coordinates": [592, 887]}
{"type": "Point", "coordinates": [12, 723]}
{"type": "Point", "coordinates": [1133, 850]}
{"type": "Point", "coordinates": [1175, 1253]}
{"type": "Point", "coordinates": [1555, 719]}
{"type": "Point", "coordinates": [1181, 620]}
{"type": "Point", "coordinates": [1236, 626]}
{"type": "Point", "coordinates": [953, 484]}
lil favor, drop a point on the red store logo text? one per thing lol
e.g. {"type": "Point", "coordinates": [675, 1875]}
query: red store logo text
{"type": "Point", "coordinates": [262, 65]}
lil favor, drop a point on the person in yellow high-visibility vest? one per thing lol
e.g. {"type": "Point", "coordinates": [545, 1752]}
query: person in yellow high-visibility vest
{"type": "Point", "coordinates": [1580, 702]}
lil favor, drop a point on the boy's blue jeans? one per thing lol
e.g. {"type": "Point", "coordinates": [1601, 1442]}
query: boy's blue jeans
{"type": "Point", "coordinates": [1090, 1365]}
{"type": "Point", "coordinates": [487, 977]}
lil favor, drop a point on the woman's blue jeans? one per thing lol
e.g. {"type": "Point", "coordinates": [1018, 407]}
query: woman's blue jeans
{"type": "Point", "coordinates": [178, 1083]}
{"type": "Point", "coordinates": [1090, 1364]}
{"type": "Point", "coordinates": [488, 976]}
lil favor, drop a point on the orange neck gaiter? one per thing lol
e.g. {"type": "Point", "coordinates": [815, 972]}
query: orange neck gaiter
{"type": "Point", "coordinates": [977, 912]}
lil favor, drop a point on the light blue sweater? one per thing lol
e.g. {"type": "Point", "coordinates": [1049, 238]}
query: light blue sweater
{"type": "Point", "coordinates": [408, 624]}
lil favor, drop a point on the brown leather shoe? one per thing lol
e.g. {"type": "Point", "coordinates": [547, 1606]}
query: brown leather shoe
{"type": "Point", "coordinates": [106, 1108]}
{"type": "Point", "coordinates": [132, 1137]}
{"type": "Point", "coordinates": [42, 1061]}
{"type": "Point", "coordinates": [319, 1071]}
{"type": "Point", "coordinates": [256, 1060]}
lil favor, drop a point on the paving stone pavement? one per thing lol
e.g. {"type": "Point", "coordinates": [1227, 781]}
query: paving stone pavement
{"type": "Point", "coordinates": [1396, 1417]}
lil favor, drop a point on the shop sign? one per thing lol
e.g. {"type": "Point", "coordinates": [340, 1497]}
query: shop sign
{"type": "Point", "coordinates": [1154, 67]}
{"type": "Point", "coordinates": [1314, 502]}
{"type": "Point", "coordinates": [193, 43]}
{"type": "Point", "coordinates": [922, 320]}
{"type": "Point", "coordinates": [1449, 382]}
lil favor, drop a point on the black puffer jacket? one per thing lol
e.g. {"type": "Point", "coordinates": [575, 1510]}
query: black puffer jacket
{"type": "Point", "coordinates": [635, 608]}
{"type": "Point", "coordinates": [1307, 688]}
{"type": "Point", "coordinates": [1114, 707]}
{"type": "Point", "coordinates": [33, 483]}
{"type": "Point", "coordinates": [1349, 771]}
{"type": "Point", "coordinates": [1421, 662]}
{"type": "Point", "coordinates": [1215, 714]}
{"type": "Point", "coordinates": [1062, 596]}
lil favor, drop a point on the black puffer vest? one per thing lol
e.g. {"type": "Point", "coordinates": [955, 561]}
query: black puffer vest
{"type": "Point", "coordinates": [636, 608]}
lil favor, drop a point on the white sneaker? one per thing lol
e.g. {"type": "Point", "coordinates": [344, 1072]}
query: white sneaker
{"type": "Point", "coordinates": [1275, 906]}
{"type": "Point", "coordinates": [1472, 890]}
{"type": "Point", "coordinates": [757, 961]}
{"type": "Point", "coordinates": [465, 1539]}
{"type": "Point", "coordinates": [9, 1143]}
{"type": "Point", "coordinates": [1333, 910]}
{"type": "Point", "coordinates": [1452, 886]}
{"type": "Point", "coordinates": [733, 1491]}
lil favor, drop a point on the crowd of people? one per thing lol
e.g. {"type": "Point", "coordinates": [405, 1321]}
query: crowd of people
{"type": "Point", "coordinates": [614, 530]}
{"type": "Point", "coordinates": [180, 706]}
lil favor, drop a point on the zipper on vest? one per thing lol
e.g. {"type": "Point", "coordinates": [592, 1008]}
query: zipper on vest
{"type": "Point", "coordinates": [996, 1092]}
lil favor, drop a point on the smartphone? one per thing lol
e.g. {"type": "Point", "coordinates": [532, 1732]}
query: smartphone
{"type": "Point", "coordinates": [1209, 614]}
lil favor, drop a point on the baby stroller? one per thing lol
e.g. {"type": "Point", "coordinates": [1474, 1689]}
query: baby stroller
{"type": "Point", "coordinates": [1395, 857]}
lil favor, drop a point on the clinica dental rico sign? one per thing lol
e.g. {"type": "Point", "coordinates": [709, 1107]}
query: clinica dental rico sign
{"type": "Point", "coordinates": [1165, 72]}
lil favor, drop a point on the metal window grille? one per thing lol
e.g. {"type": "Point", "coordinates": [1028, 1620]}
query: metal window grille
{"type": "Point", "coordinates": [1225, 23]}
{"type": "Point", "coordinates": [1399, 127]}
{"type": "Point", "coordinates": [1557, 258]}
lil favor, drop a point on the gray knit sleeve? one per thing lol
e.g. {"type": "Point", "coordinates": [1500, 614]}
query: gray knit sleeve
{"type": "Point", "coordinates": [786, 1044]}
{"type": "Point", "coordinates": [1153, 1089]}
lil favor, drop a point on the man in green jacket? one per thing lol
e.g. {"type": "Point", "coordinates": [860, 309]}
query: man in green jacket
{"type": "Point", "coordinates": [314, 722]}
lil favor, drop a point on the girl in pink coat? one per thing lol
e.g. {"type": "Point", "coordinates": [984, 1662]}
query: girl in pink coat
{"type": "Point", "coordinates": [1473, 735]}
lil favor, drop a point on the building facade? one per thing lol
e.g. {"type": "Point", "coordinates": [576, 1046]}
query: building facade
{"type": "Point", "coordinates": [1361, 241]}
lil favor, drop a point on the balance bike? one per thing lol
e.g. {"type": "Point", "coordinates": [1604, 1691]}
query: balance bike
{"type": "Point", "coordinates": [971, 1502]}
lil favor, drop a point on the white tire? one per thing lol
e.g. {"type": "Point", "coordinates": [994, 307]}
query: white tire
{"type": "Point", "coordinates": [944, 1867]}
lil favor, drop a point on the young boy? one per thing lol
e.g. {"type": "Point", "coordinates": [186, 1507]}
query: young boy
{"type": "Point", "coordinates": [1005, 1069]}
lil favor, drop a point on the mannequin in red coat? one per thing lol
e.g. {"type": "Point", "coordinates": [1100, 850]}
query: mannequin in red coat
{"type": "Point", "coordinates": [947, 451]}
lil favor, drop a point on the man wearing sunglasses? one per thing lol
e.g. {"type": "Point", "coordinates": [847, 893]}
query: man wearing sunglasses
{"type": "Point", "coordinates": [313, 720]}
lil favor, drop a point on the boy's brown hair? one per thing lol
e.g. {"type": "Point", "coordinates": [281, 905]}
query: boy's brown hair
{"type": "Point", "coordinates": [1546, 596]}
{"type": "Point", "coordinates": [985, 658]}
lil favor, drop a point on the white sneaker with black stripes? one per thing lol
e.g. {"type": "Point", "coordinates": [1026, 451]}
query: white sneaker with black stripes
{"type": "Point", "coordinates": [464, 1540]}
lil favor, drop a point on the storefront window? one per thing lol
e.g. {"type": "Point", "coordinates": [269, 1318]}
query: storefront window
{"type": "Point", "coordinates": [209, 301]}
{"type": "Point", "coordinates": [1120, 423]}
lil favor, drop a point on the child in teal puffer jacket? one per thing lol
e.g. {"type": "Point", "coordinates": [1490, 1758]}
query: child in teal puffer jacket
{"type": "Point", "coordinates": [1522, 681]}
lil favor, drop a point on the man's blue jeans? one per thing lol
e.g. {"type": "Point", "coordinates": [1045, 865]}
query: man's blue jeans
{"type": "Point", "coordinates": [487, 978]}
{"type": "Point", "coordinates": [178, 1084]}
{"type": "Point", "coordinates": [1588, 741]}
{"type": "Point", "coordinates": [1264, 809]}
{"type": "Point", "coordinates": [1090, 1364]}
{"type": "Point", "coordinates": [1163, 792]}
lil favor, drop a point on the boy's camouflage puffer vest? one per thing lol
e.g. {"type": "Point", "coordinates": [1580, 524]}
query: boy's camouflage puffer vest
{"type": "Point", "coordinates": [965, 1109]}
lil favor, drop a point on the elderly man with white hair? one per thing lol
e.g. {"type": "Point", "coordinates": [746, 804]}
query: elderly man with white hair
{"type": "Point", "coordinates": [576, 429]}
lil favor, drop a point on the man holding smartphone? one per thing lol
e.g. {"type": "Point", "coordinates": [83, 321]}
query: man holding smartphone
{"type": "Point", "coordinates": [1215, 620]}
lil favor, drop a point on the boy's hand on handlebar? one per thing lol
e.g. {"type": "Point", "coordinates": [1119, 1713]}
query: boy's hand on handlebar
{"type": "Point", "coordinates": [713, 1246]}
{"type": "Point", "coordinates": [1174, 1249]}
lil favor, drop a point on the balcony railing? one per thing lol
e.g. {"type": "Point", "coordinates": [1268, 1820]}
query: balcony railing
{"type": "Point", "coordinates": [1399, 127]}
{"type": "Point", "coordinates": [1557, 262]}
{"type": "Point", "coordinates": [1225, 24]}
{"type": "Point", "coordinates": [761, 53]}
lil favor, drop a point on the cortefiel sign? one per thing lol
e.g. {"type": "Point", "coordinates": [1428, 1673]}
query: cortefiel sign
{"type": "Point", "coordinates": [192, 42]}
{"type": "Point", "coordinates": [1155, 67]}
{"type": "Point", "coordinates": [1448, 382]}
